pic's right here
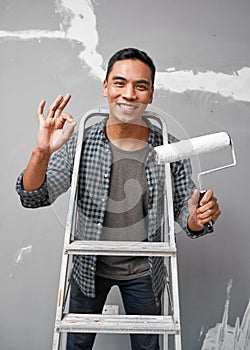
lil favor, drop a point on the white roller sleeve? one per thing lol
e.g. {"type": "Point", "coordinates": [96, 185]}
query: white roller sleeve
{"type": "Point", "coordinates": [192, 147]}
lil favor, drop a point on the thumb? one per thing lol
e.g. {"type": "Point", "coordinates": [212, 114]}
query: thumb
{"type": "Point", "coordinates": [68, 132]}
{"type": "Point", "coordinates": [194, 199]}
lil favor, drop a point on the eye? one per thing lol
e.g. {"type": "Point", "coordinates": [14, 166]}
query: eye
{"type": "Point", "coordinates": [119, 83]}
{"type": "Point", "coordinates": [142, 87]}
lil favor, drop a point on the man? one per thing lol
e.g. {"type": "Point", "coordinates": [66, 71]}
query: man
{"type": "Point", "coordinates": [119, 194]}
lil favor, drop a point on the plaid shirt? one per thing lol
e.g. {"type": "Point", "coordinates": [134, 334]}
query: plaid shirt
{"type": "Point", "coordinates": [93, 190]}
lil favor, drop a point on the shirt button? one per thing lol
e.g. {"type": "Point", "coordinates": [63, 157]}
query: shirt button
{"type": "Point", "coordinates": [99, 224]}
{"type": "Point", "coordinates": [103, 199]}
{"type": "Point", "coordinates": [106, 175]}
{"type": "Point", "coordinates": [92, 268]}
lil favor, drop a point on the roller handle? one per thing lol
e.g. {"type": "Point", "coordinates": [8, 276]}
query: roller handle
{"type": "Point", "coordinates": [209, 225]}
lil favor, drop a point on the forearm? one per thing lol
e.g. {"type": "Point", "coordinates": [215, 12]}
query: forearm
{"type": "Point", "coordinates": [35, 172]}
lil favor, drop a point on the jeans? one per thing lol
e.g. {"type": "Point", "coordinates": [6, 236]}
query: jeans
{"type": "Point", "coordinates": [138, 299]}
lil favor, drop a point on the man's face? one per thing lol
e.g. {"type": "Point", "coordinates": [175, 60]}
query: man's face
{"type": "Point", "coordinates": [129, 90]}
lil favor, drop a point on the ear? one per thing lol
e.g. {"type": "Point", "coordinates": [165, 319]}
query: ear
{"type": "Point", "coordinates": [104, 88]}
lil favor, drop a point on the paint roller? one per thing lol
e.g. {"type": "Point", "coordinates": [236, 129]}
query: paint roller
{"type": "Point", "coordinates": [184, 149]}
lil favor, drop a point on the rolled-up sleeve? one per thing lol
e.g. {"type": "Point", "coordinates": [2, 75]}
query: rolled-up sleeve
{"type": "Point", "coordinates": [32, 199]}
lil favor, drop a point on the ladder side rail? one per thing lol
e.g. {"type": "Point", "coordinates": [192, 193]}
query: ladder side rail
{"type": "Point", "coordinates": [165, 220]}
{"type": "Point", "coordinates": [176, 301]}
{"type": "Point", "coordinates": [70, 222]}
{"type": "Point", "coordinates": [173, 260]}
{"type": "Point", "coordinates": [169, 234]}
{"type": "Point", "coordinates": [168, 303]}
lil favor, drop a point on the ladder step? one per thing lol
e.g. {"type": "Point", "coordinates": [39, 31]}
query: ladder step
{"type": "Point", "coordinates": [95, 323]}
{"type": "Point", "coordinates": [120, 248]}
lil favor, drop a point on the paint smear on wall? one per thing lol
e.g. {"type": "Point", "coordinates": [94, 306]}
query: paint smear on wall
{"type": "Point", "coordinates": [225, 337]}
{"type": "Point", "coordinates": [18, 258]}
{"type": "Point", "coordinates": [79, 25]}
{"type": "Point", "coordinates": [20, 254]}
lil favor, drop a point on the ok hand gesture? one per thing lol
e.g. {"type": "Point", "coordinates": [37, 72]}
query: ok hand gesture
{"type": "Point", "coordinates": [51, 135]}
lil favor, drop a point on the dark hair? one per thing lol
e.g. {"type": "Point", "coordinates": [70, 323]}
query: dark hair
{"type": "Point", "coordinates": [132, 54]}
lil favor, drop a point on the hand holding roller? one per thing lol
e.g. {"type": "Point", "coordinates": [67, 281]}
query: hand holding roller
{"type": "Point", "coordinates": [193, 147]}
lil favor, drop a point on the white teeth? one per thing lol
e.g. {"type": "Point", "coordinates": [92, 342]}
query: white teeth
{"type": "Point", "coordinates": [127, 107]}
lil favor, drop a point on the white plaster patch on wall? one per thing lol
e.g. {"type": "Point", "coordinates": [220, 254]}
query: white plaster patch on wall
{"type": "Point", "coordinates": [225, 337]}
{"type": "Point", "coordinates": [236, 86]}
{"type": "Point", "coordinates": [32, 34]}
{"type": "Point", "coordinates": [79, 25]}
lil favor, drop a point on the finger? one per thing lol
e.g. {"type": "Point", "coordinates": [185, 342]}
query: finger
{"type": "Point", "coordinates": [64, 102]}
{"type": "Point", "coordinates": [41, 107]}
{"type": "Point", "coordinates": [54, 106]}
{"type": "Point", "coordinates": [63, 118]}
{"type": "Point", "coordinates": [212, 218]}
{"type": "Point", "coordinates": [207, 210]}
{"type": "Point", "coordinates": [207, 197]}
{"type": "Point", "coordinates": [62, 105]}
{"type": "Point", "coordinates": [216, 215]}
{"type": "Point", "coordinates": [211, 205]}
{"type": "Point", "coordinates": [210, 214]}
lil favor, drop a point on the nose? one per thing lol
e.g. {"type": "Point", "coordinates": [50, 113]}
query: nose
{"type": "Point", "coordinates": [129, 92]}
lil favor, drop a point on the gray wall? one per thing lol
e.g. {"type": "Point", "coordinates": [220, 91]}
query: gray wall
{"type": "Point", "coordinates": [202, 52]}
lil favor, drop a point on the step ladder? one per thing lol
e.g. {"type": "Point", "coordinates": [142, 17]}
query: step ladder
{"type": "Point", "coordinates": [168, 323]}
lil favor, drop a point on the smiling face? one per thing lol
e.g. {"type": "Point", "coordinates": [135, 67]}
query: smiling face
{"type": "Point", "coordinates": [129, 90]}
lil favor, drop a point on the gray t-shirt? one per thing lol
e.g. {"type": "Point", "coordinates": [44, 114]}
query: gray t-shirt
{"type": "Point", "coordinates": [126, 214]}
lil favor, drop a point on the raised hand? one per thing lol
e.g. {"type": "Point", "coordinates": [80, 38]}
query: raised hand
{"type": "Point", "coordinates": [51, 135]}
